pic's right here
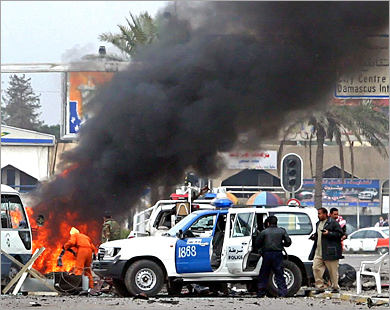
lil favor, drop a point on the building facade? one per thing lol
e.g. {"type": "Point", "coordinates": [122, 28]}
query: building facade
{"type": "Point", "coordinates": [371, 170]}
{"type": "Point", "coordinates": [26, 157]}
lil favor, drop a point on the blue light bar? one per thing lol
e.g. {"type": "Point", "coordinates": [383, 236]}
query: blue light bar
{"type": "Point", "coordinates": [210, 195]}
{"type": "Point", "coordinates": [222, 203]}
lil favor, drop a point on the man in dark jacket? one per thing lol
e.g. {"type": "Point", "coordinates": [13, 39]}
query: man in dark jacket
{"type": "Point", "coordinates": [270, 243]}
{"type": "Point", "coordinates": [326, 251]}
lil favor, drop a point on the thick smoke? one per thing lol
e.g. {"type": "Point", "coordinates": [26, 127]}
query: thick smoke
{"type": "Point", "coordinates": [218, 69]}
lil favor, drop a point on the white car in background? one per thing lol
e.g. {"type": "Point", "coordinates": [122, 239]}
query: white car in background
{"type": "Point", "coordinates": [305, 195]}
{"type": "Point", "coordinates": [368, 194]}
{"type": "Point", "coordinates": [371, 239]}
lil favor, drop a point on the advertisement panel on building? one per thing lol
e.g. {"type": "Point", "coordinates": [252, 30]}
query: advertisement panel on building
{"type": "Point", "coordinates": [373, 79]}
{"type": "Point", "coordinates": [80, 87]}
{"type": "Point", "coordinates": [364, 192]}
{"type": "Point", "coordinates": [250, 159]}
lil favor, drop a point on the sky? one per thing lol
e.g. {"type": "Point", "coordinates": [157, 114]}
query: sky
{"type": "Point", "coordinates": [59, 31]}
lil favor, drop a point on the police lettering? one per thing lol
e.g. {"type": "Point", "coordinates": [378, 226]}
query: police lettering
{"type": "Point", "coordinates": [234, 257]}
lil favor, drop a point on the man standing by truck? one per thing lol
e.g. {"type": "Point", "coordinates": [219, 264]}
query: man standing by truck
{"type": "Point", "coordinates": [111, 229]}
{"type": "Point", "coordinates": [334, 214]}
{"type": "Point", "coordinates": [326, 251]}
{"type": "Point", "coordinates": [270, 243]}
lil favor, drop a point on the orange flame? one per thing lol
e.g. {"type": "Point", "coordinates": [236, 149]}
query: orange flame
{"type": "Point", "coordinates": [16, 217]}
{"type": "Point", "coordinates": [55, 231]}
{"type": "Point", "coordinates": [53, 238]}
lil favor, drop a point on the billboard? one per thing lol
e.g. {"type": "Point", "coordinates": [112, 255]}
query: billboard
{"type": "Point", "coordinates": [351, 193]}
{"type": "Point", "coordinates": [251, 159]}
{"type": "Point", "coordinates": [373, 79]}
{"type": "Point", "coordinates": [80, 87]}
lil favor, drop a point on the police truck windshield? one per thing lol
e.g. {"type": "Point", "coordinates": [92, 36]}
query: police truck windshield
{"type": "Point", "coordinates": [175, 229]}
{"type": "Point", "coordinates": [12, 212]}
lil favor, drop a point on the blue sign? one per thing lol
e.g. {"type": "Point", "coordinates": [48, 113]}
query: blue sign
{"type": "Point", "coordinates": [335, 193]}
{"type": "Point", "coordinates": [74, 120]}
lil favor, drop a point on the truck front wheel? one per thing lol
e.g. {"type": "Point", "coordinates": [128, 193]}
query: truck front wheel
{"type": "Point", "coordinates": [293, 277]}
{"type": "Point", "coordinates": [144, 276]}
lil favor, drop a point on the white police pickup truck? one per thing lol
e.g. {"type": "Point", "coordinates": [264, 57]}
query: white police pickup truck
{"type": "Point", "coordinates": [208, 247]}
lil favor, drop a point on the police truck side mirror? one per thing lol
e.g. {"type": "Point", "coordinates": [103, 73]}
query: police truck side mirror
{"type": "Point", "coordinates": [291, 172]}
{"type": "Point", "coordinates": [179, 234]}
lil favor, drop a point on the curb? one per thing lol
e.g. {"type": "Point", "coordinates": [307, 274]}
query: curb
{"type": "Point", "coordinates": [359, 299]}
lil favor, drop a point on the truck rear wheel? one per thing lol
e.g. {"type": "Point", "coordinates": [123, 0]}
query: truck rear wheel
{"type": "Point", "coordinates": [144, 276]}
{"type": "Point", "coordinates": [252, 286]}
{"type": "Point", "coordinates": [293, 277]}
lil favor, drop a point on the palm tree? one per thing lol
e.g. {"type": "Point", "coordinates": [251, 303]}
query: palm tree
{"type": "Point", "coordinates": [365, 121]}
{"type": "Point", "coordinates": [139, 30]}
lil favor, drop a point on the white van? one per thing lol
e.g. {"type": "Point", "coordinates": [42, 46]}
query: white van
{"type": "Point", "coordinates": [16, 236]}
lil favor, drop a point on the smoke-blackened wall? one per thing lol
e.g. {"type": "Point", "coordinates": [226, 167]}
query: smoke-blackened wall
{"type": "Point", "coordinates": [218, 69]}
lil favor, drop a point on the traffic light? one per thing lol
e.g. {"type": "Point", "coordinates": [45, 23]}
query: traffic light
{"type": "Point", "coordinates": [291, 172]}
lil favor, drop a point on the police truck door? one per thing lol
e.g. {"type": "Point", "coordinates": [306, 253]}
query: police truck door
{"type": "Point", "coordinates": [193, 252]}
{"type": "Point", "coordinates": [239, 243]}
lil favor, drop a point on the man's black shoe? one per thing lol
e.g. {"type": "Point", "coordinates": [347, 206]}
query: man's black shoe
{"type": "Point", "coordinates": [335, 291]}
{"type": "Point", "coordinates": [260, 295]}
{"type": "Point", "coordinates": [316, 292]}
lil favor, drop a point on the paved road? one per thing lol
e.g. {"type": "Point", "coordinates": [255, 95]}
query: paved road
{"type": "Point", "coordinates": [217, 303]}
{"type": "Point", "coordinates": [355, 259]}
{"type": "Point", "coordinates": [180, 303]}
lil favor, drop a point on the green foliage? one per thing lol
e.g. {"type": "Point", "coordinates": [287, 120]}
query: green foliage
{"type": "Point", "coordinates": [139, 30]}
{"type": "Point", "coordinates": [20, 104]}
{"type": "Point", "coordinates": [3, 113]}
{"type": "Point", "coordinates": [52, 130]}
{"type": "Point", "coordinates": [364, 121]}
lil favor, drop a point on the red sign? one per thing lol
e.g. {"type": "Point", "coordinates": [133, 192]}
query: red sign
{"type": "Point", "coordinates": [293, 202]}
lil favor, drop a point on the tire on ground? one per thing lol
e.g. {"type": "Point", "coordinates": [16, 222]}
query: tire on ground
{"type": "Point", "coordinates": [252, 286]}
{"type": "Point", "coordinates": [120, 288]}
{"type": "Point", "coordinates": [174, 288]}
{"type": "Point", "coordinates": [293, 278]}
{"type": "Point", "coordinates": [383, 250]}
{"type": "Point", "coordinates": [144, 276]}
{"type": "Point", "coordinates": [13, 271]}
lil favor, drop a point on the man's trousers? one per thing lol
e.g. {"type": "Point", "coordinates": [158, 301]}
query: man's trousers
{"type": "Point", "coordinates": [272, 261]}
{"type": "Point", "coordinates": [319, 266]}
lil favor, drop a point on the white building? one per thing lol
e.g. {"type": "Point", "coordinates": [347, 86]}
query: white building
{"type": "Point", "coordinates": [25, 157]}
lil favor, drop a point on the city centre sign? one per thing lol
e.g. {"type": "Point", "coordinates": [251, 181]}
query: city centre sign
{"type": "Point", "coordinates": [373, 79]}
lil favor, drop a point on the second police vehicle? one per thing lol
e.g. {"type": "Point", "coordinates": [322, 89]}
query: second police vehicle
{"type": "Point", "coordinates": [210, 248]}
{"type": "Point", "coordinates": [16, 236]}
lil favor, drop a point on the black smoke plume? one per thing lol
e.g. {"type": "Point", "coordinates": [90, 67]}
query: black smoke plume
{"type": "Point", "coordinates": [217, 70]}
